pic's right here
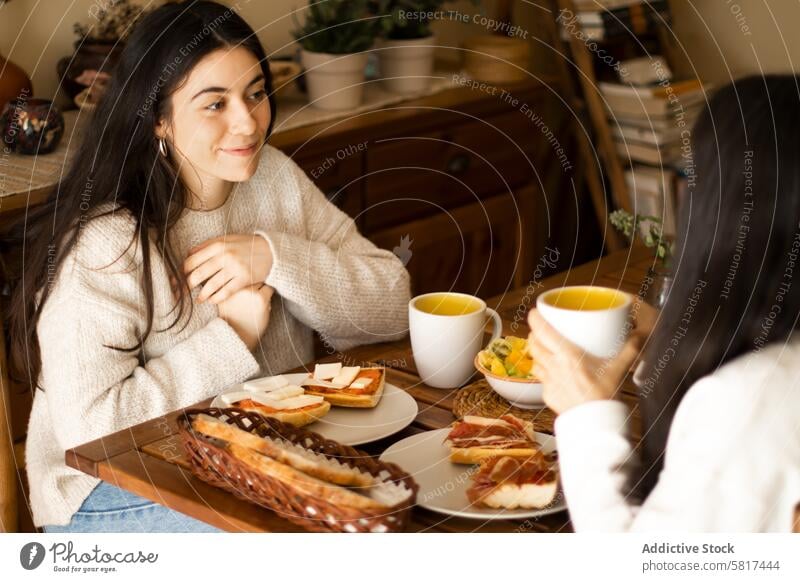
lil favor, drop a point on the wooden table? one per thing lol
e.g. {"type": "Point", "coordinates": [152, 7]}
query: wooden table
{"type": "Point", "coordinates": [148, 459]}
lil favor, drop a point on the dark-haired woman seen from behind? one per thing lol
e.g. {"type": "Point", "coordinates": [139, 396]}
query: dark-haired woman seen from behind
{"type": "Point", "coordinates": [720, 375]}
{"type": "Point", "coordinates": [178, 256]}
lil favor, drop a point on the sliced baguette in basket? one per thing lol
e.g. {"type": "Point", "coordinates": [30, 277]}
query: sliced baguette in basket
{"type": "Point", "coordinates": [293, 455]}
{"type": "Point", "coordinates": [303, 482]}
{"type": "Point", "coordinates": [286, 490]}
{"type": "Point", "coordinates": [306, 472]}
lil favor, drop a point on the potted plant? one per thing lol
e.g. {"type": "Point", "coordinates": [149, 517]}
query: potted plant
{"type": "Point", "coordinates": [99, 42]}
{"type": "Point", "coordinates": [406, 52]}
{"type": "Point", "coordinates": [659, 277]}
{"type": "Point", "coordinates": [334, 39]}
{"type": "Point", "coordinates": [407, 48]}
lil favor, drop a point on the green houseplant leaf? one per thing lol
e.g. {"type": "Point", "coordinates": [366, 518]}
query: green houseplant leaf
{"type": "Point", "coordinates": [338, 27]}
{"type": "Point", "coordinates": [407, 19]}
{"type": "Point", "coordinates": [628, 224]}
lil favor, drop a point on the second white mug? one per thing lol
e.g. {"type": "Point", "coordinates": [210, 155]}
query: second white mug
{"type": "Point", "coordinates": [593, 318]}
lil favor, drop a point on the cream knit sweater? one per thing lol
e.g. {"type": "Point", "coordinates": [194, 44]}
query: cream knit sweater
{"type": "Point", "coordinates": [732, 460]}
{"type": "Point", "coordinates": [327, 277]}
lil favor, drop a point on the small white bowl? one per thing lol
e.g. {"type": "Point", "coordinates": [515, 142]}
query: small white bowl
{"type": "Point", "coordinates": [521, 392]}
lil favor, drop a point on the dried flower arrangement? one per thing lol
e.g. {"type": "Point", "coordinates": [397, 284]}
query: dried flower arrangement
{"type": "Point", "coordinates": [111, 20]}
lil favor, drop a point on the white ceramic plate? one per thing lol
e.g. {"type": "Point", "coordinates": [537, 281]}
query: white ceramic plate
{"type": "Point", "coordinates": [356, 426]}
{"type": "Point", "coordinates": [443, 485]}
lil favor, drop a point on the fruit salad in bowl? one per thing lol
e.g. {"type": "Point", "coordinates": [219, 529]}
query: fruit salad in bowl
{"type": "Point", "coordinates": [507, 367]}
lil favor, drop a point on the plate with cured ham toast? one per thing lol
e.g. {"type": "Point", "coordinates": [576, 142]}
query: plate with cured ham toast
{"type": "Point", "coordinates": [483, 468]}
{"type": "Point", "coordinates": [351, 405]}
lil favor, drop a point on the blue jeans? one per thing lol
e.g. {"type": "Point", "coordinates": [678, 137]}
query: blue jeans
{"type": "Point", "coordinates": [109, 509]}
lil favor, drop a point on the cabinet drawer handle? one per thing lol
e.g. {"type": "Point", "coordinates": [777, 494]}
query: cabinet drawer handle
{"type": "Point", "coordinates": [458, 164]}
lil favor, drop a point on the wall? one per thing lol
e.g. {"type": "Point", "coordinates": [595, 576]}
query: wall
{"type": "Point", "coordinates": [35, 35]}
{"type": "Point", "coordinates": [721, 38]}
{"type": "Point", "coordinates": [726, 39]}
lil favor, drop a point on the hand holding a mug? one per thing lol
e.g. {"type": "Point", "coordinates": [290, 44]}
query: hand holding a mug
{"type": "Point", "coordinates": [645, 317]}
{"type": "Point", "coordinates": [571, 376]}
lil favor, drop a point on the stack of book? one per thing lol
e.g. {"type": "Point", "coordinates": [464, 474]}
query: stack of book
{"type": "Point", "coordinates": [602, 19]}
{"type": "Point", "coordinates": [652, 192]}
{"type": "Point", "coordinates": [652, 124]}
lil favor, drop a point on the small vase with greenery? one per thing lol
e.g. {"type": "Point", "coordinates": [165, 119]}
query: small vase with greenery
{"type": "Point", "coordinates": [334, 38]}
{"type": "Point", "coordinates": [112, 21]}
{"type": "Point", "coordinates": [659, 280]}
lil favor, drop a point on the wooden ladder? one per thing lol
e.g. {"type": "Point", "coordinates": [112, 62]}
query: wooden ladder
{"type": "Point", "coordinates": [605, 167]}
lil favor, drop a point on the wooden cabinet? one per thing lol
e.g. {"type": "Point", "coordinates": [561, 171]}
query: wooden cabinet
{"type": "Point", "coordinates": [474, 249]}
{"type": "Point", "coordinates": [455, 184]}
{"type": "Point", "coordinates": [422, 174]}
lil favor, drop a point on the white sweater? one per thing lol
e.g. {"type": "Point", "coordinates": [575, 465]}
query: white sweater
{"type": "Point", "coordinates": [327, 277]}
{"type": "Point", "coordinates": [732, 461]}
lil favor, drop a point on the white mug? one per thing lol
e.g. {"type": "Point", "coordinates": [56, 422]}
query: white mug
{"type": "Point", "coordinates": [445, 344]}
{"type": "Point", "coordinates": [593, 318]}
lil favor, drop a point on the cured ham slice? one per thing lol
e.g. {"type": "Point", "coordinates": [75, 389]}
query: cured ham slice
{"type": "Point", "coordinates": [474, 438]}
{"type": "Point", "coordinates": [511, 483]}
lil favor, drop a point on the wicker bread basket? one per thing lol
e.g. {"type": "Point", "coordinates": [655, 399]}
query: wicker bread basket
{"type": "Point", "coordinates": [213, 463]}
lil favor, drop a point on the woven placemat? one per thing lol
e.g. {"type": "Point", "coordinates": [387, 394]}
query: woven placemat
{"type": "Point", "coordinates": [479, 399]}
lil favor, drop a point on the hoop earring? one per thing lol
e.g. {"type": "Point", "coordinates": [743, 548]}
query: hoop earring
{"type": "Point", "coordinates": [162, 147]}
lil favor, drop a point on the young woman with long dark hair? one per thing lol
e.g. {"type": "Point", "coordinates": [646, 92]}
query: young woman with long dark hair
{"type": "Point", "coordinates": [179, 254]}
{"type": "Point", "coordinates": [720, 375]}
